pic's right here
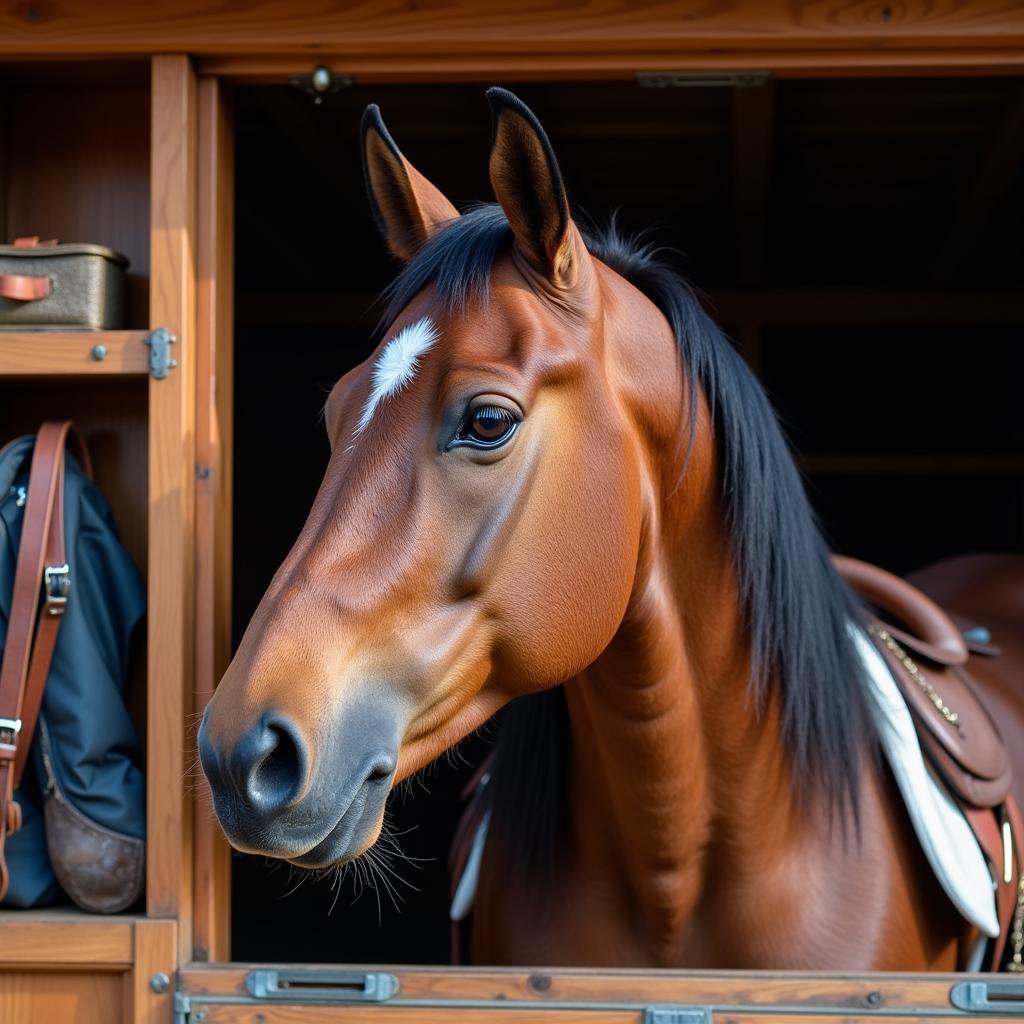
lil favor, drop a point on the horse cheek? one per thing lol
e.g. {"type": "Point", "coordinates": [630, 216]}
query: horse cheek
{"type": "Point", "coordinates": [574, 563]}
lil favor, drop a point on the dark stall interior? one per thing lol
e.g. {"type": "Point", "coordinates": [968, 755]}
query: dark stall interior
{"type": "Point", "coordinates": [859, 239]}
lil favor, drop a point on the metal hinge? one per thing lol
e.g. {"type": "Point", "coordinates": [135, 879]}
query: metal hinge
{"type": "Point", "coordinates": [160, 361]}
{"type": "Point", "coordinates": [182, 1008]}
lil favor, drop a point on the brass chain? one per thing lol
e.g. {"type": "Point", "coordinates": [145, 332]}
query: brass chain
{"type": "Point", "coordinates": [918, 676]}
{"type": "Point", "coordinates": [1016, 962]}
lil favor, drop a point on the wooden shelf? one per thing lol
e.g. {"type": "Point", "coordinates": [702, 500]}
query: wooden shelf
{"type": "Point", "coordinates": [65, 935]}
{"type": "Point", "coordinates": [70, 354]}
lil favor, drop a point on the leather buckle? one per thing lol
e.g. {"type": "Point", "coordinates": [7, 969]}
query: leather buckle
{"type": "Point", "coordinates": [56, 587]}
{"type": "Point", "coordinates": [9, 729]}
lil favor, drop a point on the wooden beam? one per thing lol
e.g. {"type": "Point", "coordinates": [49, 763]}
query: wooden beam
{"type": "Point", "coordinates": [999, 169]}
{"type": "Point", "coordinates": [214, 414]}
{"type": "Point", "coordinates": [594, 33]}
{"type": "Point", "coordinates": [753, 134]}
{"type": "Point", "coordinates": [170, 663]}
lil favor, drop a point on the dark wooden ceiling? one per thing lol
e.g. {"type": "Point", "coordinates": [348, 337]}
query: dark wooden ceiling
{"type": "Point", "coordinates": [900, 182]}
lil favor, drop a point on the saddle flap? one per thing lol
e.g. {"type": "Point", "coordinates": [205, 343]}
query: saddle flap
{"type": "Point", "coordinates": [955, 728]}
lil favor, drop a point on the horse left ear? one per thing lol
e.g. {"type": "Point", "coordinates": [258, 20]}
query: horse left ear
{"type": "Point", "coordinates": [408, 209]}
{"type": "Point", "coordinates": [528, 185]}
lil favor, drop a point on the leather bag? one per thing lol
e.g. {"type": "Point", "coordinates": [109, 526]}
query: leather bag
{"type": "Point", "coordinates": [61, 286]}
{"type": "Point", "coordinates": [72, 796]}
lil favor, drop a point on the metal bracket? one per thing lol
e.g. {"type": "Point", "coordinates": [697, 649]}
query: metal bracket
{"type": "Point", "coordinates": [321, 82]}
{"type": "Point", "coordinates": [160, 361]}
{"type": "Point", "coordinates": [700, 79]}
{"type": "Point", "coordinates": [302, 986]}
{"type": "Point", "coordinates": [677, 1015]}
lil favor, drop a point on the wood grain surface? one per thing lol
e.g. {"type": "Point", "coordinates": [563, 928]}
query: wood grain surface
{"type": "Point", "coordinates": [214, 404]}
{"type": "Point", "coordinates": [171, 497]}
{"type": "Point", "coordinates": [30, 997]}
{"type": "Point", "coordinates": [44, 938]}
{"type": "Point", "coordinates": [470, 38]}
{"type": "Point", "coordinates": [69, 353]}
{"type": "Point", "coordinates": [902, 992]}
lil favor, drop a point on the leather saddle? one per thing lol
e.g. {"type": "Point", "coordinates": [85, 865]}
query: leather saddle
{"type": "Point", "coordinates": [930, 655]}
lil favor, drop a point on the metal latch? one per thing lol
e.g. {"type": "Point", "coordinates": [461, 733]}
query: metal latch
{"type": "Point", "coordinates": [677, 1015]}
{"type": "Point", "coordinates": [988, 996]}
{"type": "Point", "coordinates": [56, 587]}
{"type": "Point", "coordinates": [302, 986]}
{"type": "Point", "coordinates": [160, 361]}
{"type": "Point", "coordinates": [9, 729]}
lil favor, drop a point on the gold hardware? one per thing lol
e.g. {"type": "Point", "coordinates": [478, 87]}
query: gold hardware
{"type": "Point", "coordinates": [918, 676]}
{"type": "Point", "coordinates": [1016, 963]}
{"type": "Point", "coordinates": [56, 587]}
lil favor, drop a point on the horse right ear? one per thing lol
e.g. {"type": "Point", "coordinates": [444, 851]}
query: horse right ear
{"type": "Point", "coordinates": [408, 208]}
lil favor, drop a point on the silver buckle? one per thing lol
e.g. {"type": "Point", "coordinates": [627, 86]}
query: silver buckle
{"type": "Point", "coordinates": [9, 729]}
{"type": "Point", "coordinates": [56, 587]}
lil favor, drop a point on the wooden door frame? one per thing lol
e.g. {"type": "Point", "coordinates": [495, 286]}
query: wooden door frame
{"type": "Point", "coordinates": [210, 936]}
{"type": "Point", "coordinates": [171, 497]}
{"type": "Point", "coordinates": [214, 430]}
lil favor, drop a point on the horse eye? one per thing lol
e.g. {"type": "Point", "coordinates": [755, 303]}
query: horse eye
{"type": "Point", "coordinates": [487, 426]}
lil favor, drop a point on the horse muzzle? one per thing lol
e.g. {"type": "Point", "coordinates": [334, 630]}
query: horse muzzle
{"type": "Point", "coordinates": [276, 795]}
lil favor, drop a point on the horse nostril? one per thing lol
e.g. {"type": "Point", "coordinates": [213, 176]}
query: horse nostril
{"type": "Point", "coordinates": [277, 770]}
{"type": "Point", "coordinates": [381, 771]}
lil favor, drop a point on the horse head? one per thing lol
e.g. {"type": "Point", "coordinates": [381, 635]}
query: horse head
{"type": "Point", "coordinates": [477, 532]}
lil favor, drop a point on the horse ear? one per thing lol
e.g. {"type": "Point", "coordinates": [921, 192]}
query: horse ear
{"type": "Point", "coordinates": [408, 208]}
{"type": "Point", "coordinates": [528, 185]}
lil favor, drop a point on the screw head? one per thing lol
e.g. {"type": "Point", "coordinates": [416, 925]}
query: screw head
{"type": "Point", "coordinates": [99, 353]}
{"type": "Point", "coordinates": [159, 982]}
{"type": "Point", "coordinates": [321, 78]}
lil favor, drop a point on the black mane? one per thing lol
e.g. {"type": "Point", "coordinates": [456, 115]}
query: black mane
{"type": "Point", "coordinates": [796, 607]}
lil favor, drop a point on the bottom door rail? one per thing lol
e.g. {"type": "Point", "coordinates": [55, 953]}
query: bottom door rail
{"type": "Point", "coordinates": [225, 994]}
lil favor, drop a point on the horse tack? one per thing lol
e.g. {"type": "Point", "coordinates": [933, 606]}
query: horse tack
{"type": "Point", "coordinates": [955, 729]}
{"type": "Point", "coordinates": [576, 501]}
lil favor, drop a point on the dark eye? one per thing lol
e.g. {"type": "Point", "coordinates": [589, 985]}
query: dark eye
{"type": "Point", "coordinates": [487, 426]}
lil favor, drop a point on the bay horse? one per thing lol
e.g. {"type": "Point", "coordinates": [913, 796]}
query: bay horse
{"type": "Point", "coordinates": [556, 486]}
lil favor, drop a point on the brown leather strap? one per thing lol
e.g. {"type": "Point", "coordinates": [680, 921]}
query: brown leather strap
{"type": "Point", "coordinates": [927, 622]}
{"type": "Point", "coordinates": [28, 650]}
{"type": "Point", "coordinates": [22, 288]}
{"type": "Point", "coordinates": [32, 242]}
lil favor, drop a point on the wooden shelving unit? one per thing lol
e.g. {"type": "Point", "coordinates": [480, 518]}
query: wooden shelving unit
{"type": "Point", "coordinates": [105, 155]}
{"type": "Point", "coordinates": [74, 353]}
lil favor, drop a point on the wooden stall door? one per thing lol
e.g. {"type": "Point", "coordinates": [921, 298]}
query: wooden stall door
{"type": "Point", "coordinates": [273, 994]}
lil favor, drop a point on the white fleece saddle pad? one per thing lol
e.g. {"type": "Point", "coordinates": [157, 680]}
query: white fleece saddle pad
{"type": "Point", "coordinates": [943, 832]}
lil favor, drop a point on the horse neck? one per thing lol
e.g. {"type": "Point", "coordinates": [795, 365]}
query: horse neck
{"type": "Point", "coordinates": [675, 777]}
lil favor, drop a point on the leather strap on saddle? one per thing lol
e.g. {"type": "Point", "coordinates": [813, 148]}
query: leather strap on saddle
{"type": "Point", "coordinates": [29, 646]}
{"type": "Point", "coordinates": [930, 662]}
